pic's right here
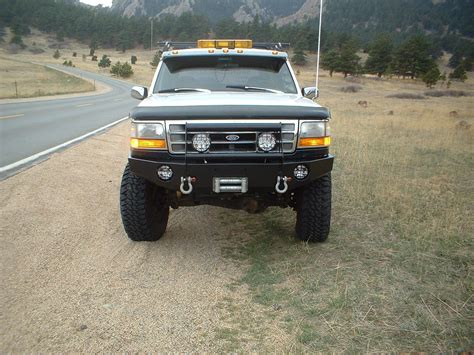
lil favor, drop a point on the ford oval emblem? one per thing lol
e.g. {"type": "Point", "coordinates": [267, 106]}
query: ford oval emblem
{"type": "Point", "coordinates": [232, 137]}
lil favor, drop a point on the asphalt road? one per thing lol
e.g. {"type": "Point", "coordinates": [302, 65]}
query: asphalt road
{"type": "Point", "coordinates": [28, 128]}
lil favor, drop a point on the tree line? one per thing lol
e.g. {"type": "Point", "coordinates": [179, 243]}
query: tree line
{"type": "Point", "coordinates": [406, 54]}
{"type": "Point", "coordinates": [105, 28]}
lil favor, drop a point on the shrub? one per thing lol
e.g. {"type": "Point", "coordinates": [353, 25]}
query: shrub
{"type": "Point", "coordinates": [104, 62]}
{"type": "Point", "coordinates": [351, 88]}
{"type": "Point", "coordinates": [449, 93]}
{"type": "Point", "coordinates": [74, 54]}
{"type": "Point", "coordinates": [94, 58]}
{"type": "Point", "coordinates": [56, 54]}
{"type": "Point", "coordinates": [36, 50]}
{"type": "Point", "coordinates": [133, 59]}
{"type": "Point", "coordinates": [407, 95]}
{"type": "Point", "coordinates": [156, 59]}
{"type": "Point", "coordinates": [122, 70]}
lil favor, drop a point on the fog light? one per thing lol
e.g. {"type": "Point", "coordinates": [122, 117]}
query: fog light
{"type": "Point", "coordinates": [165, 173]}
{"type": "Point", "coordinates": [201, 142]}
{"type": "Point", "coordinates": [301, 171]}
{"type": "Point", "coordinates": [266, 141]}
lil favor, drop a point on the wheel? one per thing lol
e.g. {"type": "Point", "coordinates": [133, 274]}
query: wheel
{"type": "Point", "coordinates": [313, 210]}
{"type": "Point", "coordinates": [143, 207]}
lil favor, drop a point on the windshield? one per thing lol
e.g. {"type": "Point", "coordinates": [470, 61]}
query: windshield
{"type": "Point", "coordinates": [225, 73]}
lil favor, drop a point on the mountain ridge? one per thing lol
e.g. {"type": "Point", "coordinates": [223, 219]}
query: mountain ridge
{"type": "Point", "coordinates": [439, 17]}
{"type": "Point", "coordinates": [279, 11]}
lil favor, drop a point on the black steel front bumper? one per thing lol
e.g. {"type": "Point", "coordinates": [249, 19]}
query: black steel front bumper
{"type": "Point", "coordinates": [262, 175]}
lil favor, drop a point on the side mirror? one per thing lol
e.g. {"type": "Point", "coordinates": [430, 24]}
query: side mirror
{"type": "Point", "coordinates": [139, 92]}
{"type": "Point", "coordinates": [310, 92]}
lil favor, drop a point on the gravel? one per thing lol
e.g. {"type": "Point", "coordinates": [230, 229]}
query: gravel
{"type": "Point", "coordinates": [72, 281]}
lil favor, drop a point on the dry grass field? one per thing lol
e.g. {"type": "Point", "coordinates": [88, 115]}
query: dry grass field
{"type": "Point", "coordinates": [397, 271]}
{"type": "Point", "coordinates": [20, 79]}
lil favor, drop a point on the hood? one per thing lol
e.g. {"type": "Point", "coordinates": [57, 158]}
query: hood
{"type": "Point", "coordinates": [188, 106]}
{"type": "Point", "coordinates": [226, 99]}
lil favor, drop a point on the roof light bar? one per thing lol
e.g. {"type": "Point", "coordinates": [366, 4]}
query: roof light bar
{"type": "Point", "coordinates": [224, 43]}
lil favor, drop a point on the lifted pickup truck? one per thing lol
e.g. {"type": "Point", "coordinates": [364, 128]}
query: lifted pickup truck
{"type": "Point", "coordinates": [227, 124]}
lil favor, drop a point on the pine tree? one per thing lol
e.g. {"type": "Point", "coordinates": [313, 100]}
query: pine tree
{"type": "Point", "coordinates": [459, 73]}
{"type": "Point", "coordinates": [468, 64]}
{"type": "Point", "coordinates": [299, 57]}
{"type": "Point", "coordinates": [349, 60]}
{"type": "Point", "coordinates": [124, 41]}
{"type": "Point", "coordinates": [104, 62]}
{"type": "Point", "coordinates": [380, 56]}
{"type": "Point", "coordinates": [455, 60]}
{"type": "Point", "coordinates": [17, 39]}
{"type": "Point", "coordinates": [156, 59]}
{"type": "Point", "coordinates": [413, 58]}
{"type": "Point", "coordinates": [330, 61]}
{"type": "Point", "coordinates": [431, 77]}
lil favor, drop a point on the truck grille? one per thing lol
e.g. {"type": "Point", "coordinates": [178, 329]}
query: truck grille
{"type": "Point", "coordinates": [236, 136]}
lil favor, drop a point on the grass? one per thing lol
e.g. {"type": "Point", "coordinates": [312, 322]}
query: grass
{"type": "Point", "coordinates": [30, 80]}
{"type": "Point", "coordinates": [396, 272]}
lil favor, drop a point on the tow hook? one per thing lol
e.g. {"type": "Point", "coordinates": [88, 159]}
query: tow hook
{"type": "Point", "coordinates": [282, 181]}
{"type": "Point", "coordinates": [186, 181]}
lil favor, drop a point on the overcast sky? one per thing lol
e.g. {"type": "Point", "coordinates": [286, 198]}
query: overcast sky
{"type": "Point", "coordinates": [97, 2]}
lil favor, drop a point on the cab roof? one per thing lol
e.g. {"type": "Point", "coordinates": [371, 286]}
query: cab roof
{"type": "Point", "coordinates": [224, 51]}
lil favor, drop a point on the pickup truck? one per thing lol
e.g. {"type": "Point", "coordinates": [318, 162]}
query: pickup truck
{"type": "Point", "coordinates": [226, 124]}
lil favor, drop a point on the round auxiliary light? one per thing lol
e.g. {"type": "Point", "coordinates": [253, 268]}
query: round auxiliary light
{"type": "Point", "coordinates": [201, 142]}
{"type": "Point", "coordinates": [266, 141]}
{"type": "Point", "coordinates": [165, 173]}
{"type": "Point", "coordinates": [301, 172]}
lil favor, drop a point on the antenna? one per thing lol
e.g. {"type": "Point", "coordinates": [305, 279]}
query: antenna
{"type": "Point", "coordinates": [151, 37]}
{"type": "Point", "coordinates": [319, 46]}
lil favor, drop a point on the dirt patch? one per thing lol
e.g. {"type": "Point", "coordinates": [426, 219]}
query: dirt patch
{"type": "Point", "coordinates": [71, 280]}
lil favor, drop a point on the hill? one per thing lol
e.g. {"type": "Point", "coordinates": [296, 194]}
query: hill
{"type": "Point", "coordinates": [365, 17]}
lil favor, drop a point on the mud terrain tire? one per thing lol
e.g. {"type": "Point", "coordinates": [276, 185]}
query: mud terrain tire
{"type": "Point", "coordinates": [143, 207]}
{"type": "Point", "coordinates": [313, 208]}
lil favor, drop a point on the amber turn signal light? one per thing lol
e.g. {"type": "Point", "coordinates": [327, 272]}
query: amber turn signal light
{"type": "Point", "coordinates": [315, 142]}
{"type": "Point", "coordinates": [137, 143]}
{"type": "Point", "coordinates": [225, 43]}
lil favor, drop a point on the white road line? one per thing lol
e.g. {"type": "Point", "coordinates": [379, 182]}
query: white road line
{"type": "Point", "coordinates": [53, 149]}
{"type": "Point", "coordinates": [11, 116]}
{"type": "Point", "coordinates": [84, 105]}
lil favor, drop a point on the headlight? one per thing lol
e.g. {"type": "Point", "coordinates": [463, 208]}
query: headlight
{"type": "Point", "coordinates": [314, 134]}
{"type": "Point", "coordinates": [266, 141]}
{"type": "Point", "coordinates": [148, 136]}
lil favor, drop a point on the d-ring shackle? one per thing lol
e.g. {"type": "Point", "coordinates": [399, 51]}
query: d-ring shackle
{"type": "Point", "coordinates": [280, 179]}
{"type": "Point", "coordinates": [190, 186]}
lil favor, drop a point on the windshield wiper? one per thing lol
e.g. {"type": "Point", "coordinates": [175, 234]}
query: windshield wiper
{"type": "Point", "coordinates": [254, 88]}
{"type": "Point", "coordinates": [183, 90]}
